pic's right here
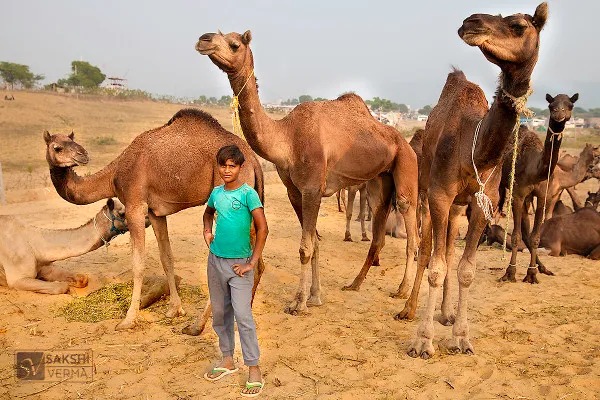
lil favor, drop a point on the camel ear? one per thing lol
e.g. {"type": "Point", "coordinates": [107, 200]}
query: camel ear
{"type": "Point", "coordinates": [111, 204]}
{"type": "Point", "coordinates": [247, 37]}
{"type": "Point", "coordinates": [71, 135]}
{"type": "Point", "coordinates": [47, 137]}
{"type": "Point", "coordinates": [575, 97]}
{"type": "Point", "coordinates": [540, 16]}
{"type": "Point", "coordinates": [549, 98]}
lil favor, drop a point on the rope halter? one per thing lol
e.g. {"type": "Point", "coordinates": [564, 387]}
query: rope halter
{"type": "Point", "coordinates": [235, 107]}
{"type": "Point", "coordinates": [483, 200]}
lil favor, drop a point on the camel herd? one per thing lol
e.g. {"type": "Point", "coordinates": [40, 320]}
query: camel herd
{"type": "Point", "coordinates": [462, 158]}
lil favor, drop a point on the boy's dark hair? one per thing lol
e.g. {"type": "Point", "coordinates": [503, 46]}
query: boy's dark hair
{"type": "Point", "coordinates": [230, 152]}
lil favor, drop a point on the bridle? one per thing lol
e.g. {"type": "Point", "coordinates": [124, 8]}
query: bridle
{"type": "Point", "coordinates": [112, 218]}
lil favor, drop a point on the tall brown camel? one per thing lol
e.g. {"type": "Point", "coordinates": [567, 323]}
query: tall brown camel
{"type": "Point", "coordinates": [163, 171]}
{"type": "Point", "coordinates": [451, 148]}
{"type": "Point", "coordinates": [319, 148]}
{"type": "Point", "coordinates": [27, 252]}
{"type": "Point", "coordinates": [535, 164]}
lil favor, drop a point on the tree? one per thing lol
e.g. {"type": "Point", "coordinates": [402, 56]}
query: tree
{"type": "Point", "coordinates": [212, 100]}
{"type": "Point", "coordinates": [13, 74]}
{"type": "Point", "coordinates": [290, 102]}
{"type": "Point", "coordinates": [84, 74]}
{"type": "Point", "coordinates": [319, 99]}
{"type": "Point", "coordinates": [425, 110]}
{"type": "Point", "coordinates": [225, 100]}
{"type": "Point", "coordinates": [304, 98]}
{"type": "Point", "coordinates": [201, 100]}
{"type": "Point", "coordinates": [579, 110]}
{"type": "Point", "coordinates": [386, 105]}
{"type": "Point", "coordinates": [403, 108]}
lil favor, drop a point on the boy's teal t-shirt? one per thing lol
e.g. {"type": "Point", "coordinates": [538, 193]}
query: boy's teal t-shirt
{"type": "Point", "coordinates": [234, 207]}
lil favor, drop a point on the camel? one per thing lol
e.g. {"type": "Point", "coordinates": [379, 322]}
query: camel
{"type": "Point", "coordinates": [352, 190]}
{"type": "Point", "coordinates": [535, 164]}
{"type": "Point", "coordinates": [593, 199]}
{"type": "Point", "coordinates": [495, 234]}
{"type": "Point", "coordinates": [27, 252]}
{"type": "Point", "coordinates": [319, 148]}
{"type": "Point", "coordinates": [163, 171]}
{"type": "Point", "coordinates": [463, 146]}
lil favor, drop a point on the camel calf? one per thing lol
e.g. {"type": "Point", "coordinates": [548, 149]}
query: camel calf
{"type": "Point", "coordinates": [27, 252]}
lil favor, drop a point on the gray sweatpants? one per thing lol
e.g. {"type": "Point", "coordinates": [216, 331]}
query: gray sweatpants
{"type": "Point", "coordinates": [231, 295]}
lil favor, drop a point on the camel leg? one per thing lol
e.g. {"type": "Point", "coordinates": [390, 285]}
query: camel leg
{"type": "Point", "coordinates": [311, 201]}
{"type": "Point", "coordinates": [136, 218]}
{"type": "Point", "coordinates": [595, 253]}
{"type": "Point", "coordinates": [369, 210]}
{"type": "Point", "coordinates": [447, 307]}
{"type": "Point", "coordinates": [439, 205]}
{"type": "Point", "coordinates": [410, 221]}
{"type": "Point", "coordinates": [53, 273]}
{"type": "Point", "coordinates": [349, 209]}
{"type": "Point", "coordinates": [577, 203]}
{"type": "Point", "coordinates": [39, 286]}
{"type": "Point", "coordinates": [410, 307]}
{"type": "Point", "coordinates": [511, 270]}
{"type": "Point", "coordinates": [527, 232]}
{"type": "Point", "coordinates": [533, 243]}
{"type": "Point", "coordinates": [466, 273]}
{"type": "Point", "coordinates": [338, 195]}
{"type": "Point", "coordinates": [159, 225]}
{"type": "Point", "coordinates": [362, 212]}
{"type": "Point", "coordinates": [380, 191]}
{"type": "Point", "coordinates": [315, 288]}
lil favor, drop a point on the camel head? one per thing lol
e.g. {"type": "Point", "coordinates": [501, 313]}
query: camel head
{"type": "Point", "coordinates": [561, 106]}
{"type": "Point", "coordinates": [62, 151]}
{"type": "Point", "coordinates": [111, 219]}
{"type": "Point", "coordinates": [230, 52]}
{"type": "Point", "coordinates": [593, 200]}
{"type": "Point", "coordinates": [506, 41]}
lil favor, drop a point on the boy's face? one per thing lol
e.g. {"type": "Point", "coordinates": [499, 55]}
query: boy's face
{"type": "Point", "coordinates": [230, 171]}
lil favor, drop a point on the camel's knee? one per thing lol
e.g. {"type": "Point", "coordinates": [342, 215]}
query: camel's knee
{"type": "Point", "coordinates": [437, 274]}
{"type": "Point", "coordinates": [402, 204]}
{"type": "Point", "coordinates": [306, 251]}
{"type": "Point", "coordinates": [466, 274]}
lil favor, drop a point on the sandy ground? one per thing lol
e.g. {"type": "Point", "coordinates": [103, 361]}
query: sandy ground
{"type": "Point", "coordinates": [531, 341]}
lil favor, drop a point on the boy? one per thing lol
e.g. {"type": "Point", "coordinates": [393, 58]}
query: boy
{"type": "Point", "coordinates": [231, 265]}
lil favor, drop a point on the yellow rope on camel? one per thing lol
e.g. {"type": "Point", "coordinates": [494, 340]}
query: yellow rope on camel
{"type": "Point", "coordinates": [235, 107]}
{"type": "Point", "coordinates": [520, 105]}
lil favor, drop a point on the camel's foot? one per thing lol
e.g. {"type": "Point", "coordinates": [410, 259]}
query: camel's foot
{"type": "Point", "coordinates": [407, 313]}
{"type": "Point", "coordinates": [376, 262]}
{"type": "Point", "coordinates": [347, 238]}
{"type": "Point", "coordinates": [175, 311]}
{"type": "Point", "coordinates": [127, 323]}
{"type": "Point", "coordinates": [296, 308]}
{"type": "Point", "coordinates": [357, 219]}
{"type": "Point", "coordinates": [401, 293]}
{"type": "Point", "coordinates": [314, 301]}
{"type": "Point", "coordinates": [544, 270]}
{"type": "Point", "coordinates": [355, 286]}
{"type": "Point", "coordinates": [422, 347]}
{"type": "Point", "coordinates": [60, 288]}
{"type": "Point", "coordinates": [79, 281]}
{"type": "Point", "coordinates": [447, 320]}
{"type": "Point", "coordinates": [460, 344]}
{"type": "Point", "coordinates": [365, 238]}
{"type": "Point", "coordinates": [508, 277]}
{"type": "Point", "coordinates": [192, 330]}
{"type": "Point", "coordinates": [531, 277]}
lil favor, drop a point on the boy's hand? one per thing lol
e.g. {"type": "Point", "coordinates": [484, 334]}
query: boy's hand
{"type": "Point", "coordinates": [208, 238]}
{"type": "Point", "coordinates": [241, 269]}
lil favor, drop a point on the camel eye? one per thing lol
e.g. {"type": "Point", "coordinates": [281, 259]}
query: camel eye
{"type": "Point", "coordinates": [234, 46]}
{"type": "Point", "coordinates": [58, 149]}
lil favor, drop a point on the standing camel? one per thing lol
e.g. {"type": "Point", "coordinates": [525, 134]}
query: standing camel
{"type": "Point", "coordinates": [163, 171]}
{"type": "Point", "coordinates": [319, 148]}
{"type": "Point", "coordinates": [362, 191]}
{"type": "Point", "coordinates": [462, 132]}
{"type": "Point", "coordinates": [535, 164]}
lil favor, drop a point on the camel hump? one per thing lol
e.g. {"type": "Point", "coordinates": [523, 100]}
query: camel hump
{"type": "Point", "coordinates": [195, 114]}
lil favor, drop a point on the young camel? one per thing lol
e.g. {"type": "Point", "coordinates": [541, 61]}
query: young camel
{"type": "Point", "coordinates": [319, 148]}
{"type": "Point", "coordinates": [447, 180]}
{"type": "Point", "coordinates": [163, 171]}
{"type": "Point", "coordinates": [535, 163]}
{"type": "Point", "coordinates": [27, 252]}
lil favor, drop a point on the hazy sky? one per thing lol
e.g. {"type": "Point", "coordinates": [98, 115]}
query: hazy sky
{"type": "Point", "coordinates": [401, 50]}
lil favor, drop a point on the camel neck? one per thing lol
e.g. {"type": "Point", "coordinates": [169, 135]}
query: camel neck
{"type": "Point", "coordinates": [267, 137]}
{"type": "Point", "coordinates": [83, 190]}
{"type": "Point", "coordinates": [551, 150]}
{"type": "Point", "coordinates": [577, 174]}
{"type": "Point", "coordinates": [60, 244]}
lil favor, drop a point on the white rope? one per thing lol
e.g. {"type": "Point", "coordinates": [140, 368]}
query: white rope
{"type": "Point", "coordinates": [483, 200]}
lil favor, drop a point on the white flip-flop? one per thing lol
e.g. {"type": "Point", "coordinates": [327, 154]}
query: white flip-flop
{"type": "Point", "coordinates": [224, 372]}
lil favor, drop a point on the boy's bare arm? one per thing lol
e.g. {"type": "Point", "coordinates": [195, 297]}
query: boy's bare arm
{"type": "Point", "coordinates": [208, 218]}
{"type": "Point", "coordinates": [262, 230]}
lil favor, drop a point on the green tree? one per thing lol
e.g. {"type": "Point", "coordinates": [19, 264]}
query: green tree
{"type": "Point", "coordinates": [386, 105]}
{"type": "Point", "coordinates": [84, 74]}
{"type": "Point", "coordinates": [319, 99]}
{"type": "Point", "coordinates": [200, 100]}
{"type": "Point", "coordinates": [212, 100]}
{"type": "Point", "coordinates": [225, 100]}
{"type": "Point", "coordinates": [536, 111]}
{"type": "Point", "coordinates": [290, 102]}
{"type": "Point", "coordinates": [425, 110]}
{"type": "Point", "coordinates": [403, 108]}
{"type": "Point", "coordinates": [13, 73]}
{"type": "Point", "coordinates": [304, 98]}
{"type": "Point", "coordinates": [579, 110]}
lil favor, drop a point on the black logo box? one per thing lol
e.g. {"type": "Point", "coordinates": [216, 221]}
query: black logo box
{"type": "Point", "coordinates": [54, 365]}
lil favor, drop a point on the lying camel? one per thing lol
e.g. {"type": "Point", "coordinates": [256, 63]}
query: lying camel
{"type": "Point", "coordinates": [576, 233]}
{"type": "Point", "coordinates": [27, 252]}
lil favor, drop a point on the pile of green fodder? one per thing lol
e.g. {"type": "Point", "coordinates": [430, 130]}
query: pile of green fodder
{"type": "Point", "coordinates": [112, 302]}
